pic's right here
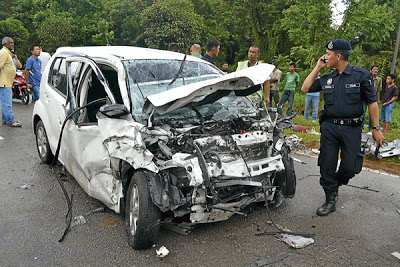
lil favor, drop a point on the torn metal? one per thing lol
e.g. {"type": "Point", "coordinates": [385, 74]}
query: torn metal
{"type": "Point", "coordinates": [388, 149]}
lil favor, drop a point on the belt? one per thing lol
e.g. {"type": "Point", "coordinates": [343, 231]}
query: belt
{"type": "Point", "coordinates": [347, 121]}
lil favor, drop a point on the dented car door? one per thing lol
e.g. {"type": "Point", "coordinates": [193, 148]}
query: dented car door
{"type": "Point", "coordinates": [88, 159]}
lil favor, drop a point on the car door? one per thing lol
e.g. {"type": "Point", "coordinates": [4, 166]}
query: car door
{"type": "Point", "coordinates": [54, 97]}
{"type": "Point", "coordinates": [87, 158]}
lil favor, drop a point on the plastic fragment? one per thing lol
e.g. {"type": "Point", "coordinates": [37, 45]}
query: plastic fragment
{"type": "Point", "coordinates": [78, 220]}
{"type": "Point", "coordinates": [25, 186]}
{"type": "Point", "coordinates": [295, 241]}
{"type": "Point", "coordinates": [396, 254]}
{"type": "Point", "coordinates": [162, 252]}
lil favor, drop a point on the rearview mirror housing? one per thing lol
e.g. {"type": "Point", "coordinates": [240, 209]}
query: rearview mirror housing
{"type": "Point", "coordinates": [114, 110]}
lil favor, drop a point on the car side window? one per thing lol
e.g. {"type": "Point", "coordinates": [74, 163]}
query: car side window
{"type": "Point", "coordinates": [58, 76]}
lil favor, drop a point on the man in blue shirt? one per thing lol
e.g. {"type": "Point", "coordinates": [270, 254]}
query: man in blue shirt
{"type": "Point", "coordinates": [33, 73]}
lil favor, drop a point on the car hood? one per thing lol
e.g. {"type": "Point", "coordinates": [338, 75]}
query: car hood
{"type": "Point", "coordinates": [178, 97]}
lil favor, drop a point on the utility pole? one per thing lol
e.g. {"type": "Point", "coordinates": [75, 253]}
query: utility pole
{"type": "Point", "coordinates": [396, 50]}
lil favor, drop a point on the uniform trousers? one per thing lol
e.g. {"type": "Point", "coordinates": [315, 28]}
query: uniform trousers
{"type": "Point", "coordinates": [348, 140]}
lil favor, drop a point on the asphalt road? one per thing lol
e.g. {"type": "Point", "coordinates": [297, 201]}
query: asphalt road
{"type": "Point", "coordinates": [364, 230]}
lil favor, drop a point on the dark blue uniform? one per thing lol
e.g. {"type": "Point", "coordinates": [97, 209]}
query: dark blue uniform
{"type": "Point", "coordinates": [344, 95]}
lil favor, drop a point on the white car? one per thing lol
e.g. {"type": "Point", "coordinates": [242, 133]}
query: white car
{"type": "Point", "coordinates": [150, 132]}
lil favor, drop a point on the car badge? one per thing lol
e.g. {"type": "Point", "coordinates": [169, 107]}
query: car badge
{"type": "Point", "coordinates": [330, 45]}
{"type": "Point", "coordinates": [329, 82]}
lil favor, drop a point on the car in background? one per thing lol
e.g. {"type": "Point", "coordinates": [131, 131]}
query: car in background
{"type": "Point", "coordinates": [155, 134]}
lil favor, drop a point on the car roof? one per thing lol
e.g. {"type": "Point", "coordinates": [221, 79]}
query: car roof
{"type": "Point", "coordinates": [123, 52]}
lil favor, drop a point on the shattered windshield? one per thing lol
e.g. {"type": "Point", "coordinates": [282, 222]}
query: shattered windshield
{"type": "Point", "coordinates": [152, 76]}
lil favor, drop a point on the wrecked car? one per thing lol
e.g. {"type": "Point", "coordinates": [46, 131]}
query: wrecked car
{"type": "Point", "coordinates": [155, 134]}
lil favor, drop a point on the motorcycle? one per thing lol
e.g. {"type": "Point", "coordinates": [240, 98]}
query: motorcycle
{"type": "Point", "coordinates": [19, 89]}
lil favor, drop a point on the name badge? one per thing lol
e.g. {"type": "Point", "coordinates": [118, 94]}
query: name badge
{"type": "Point", "coordinates": [328, 86]}
{"type": "Point", "coordinates": [352, 85]}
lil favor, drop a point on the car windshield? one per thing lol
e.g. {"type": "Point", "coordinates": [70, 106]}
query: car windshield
{"type": "Point", "coordinates": [152, 76]}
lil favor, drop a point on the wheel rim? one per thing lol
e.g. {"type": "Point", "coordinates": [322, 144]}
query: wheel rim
{"type": "Point", "coordinates": [25, 97]}
{"type": "Point", "coordinates": [41, 142]}
{"type": "Point", "coordinates": [134, 210]}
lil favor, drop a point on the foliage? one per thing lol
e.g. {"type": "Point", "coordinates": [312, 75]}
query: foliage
{"type": "Point", "coordinates": [13, 28]}
{"type": "Point", "coordinates": [285, 30]}
{"type": "Point", "coordinates": [56, 30]}
{"type": "Point", "coordinates": [168, 21]}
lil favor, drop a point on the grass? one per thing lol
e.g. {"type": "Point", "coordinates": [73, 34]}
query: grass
{"type": "Point", "coordinates": [390, 164]}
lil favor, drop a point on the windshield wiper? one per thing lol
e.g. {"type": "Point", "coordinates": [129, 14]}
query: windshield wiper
{"type": "Point", "coordinates": [179, 71]}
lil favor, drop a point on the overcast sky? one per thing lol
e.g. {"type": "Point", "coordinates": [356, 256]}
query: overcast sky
{"type": "Point", "coordinates": [337, 7]}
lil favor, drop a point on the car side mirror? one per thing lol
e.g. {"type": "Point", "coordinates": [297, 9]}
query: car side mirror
{"type": "Point", "coordinates": [114, 110]}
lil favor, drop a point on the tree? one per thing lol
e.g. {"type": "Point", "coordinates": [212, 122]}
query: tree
{"type": "Point", "coordinates": [13, 28]}
{"type": "Point", "coordinates": [308, 25]}
{"type": "Point", "coordinates": [168, 21]}
{"type": "Point", "coordinates": [55, 31]}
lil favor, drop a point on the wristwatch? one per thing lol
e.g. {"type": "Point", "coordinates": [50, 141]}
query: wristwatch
{"type": "Point", "coordinates": [376, 127]}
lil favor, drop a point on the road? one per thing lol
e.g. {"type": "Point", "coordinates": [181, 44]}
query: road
{"type": "Point", "coordinates": [363, 231]}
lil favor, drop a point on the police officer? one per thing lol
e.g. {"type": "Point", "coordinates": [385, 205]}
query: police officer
{"type": "Point", "coordinates": [345, 90]}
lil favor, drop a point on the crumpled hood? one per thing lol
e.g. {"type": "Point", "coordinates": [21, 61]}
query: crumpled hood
{"type": "Point", "coordinates": [178, 97]}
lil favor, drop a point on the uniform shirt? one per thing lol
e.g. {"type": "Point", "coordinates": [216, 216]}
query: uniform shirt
{"type": "Point", "coordinates": [207, 58]}
{"type": "Point", "coordinates": [7, 68]}
{"type": "Point", "coordinates": [390, 92]}
{"type": "Point", "coordinates": [275, 75]}
{"type": "Point", "coordinates": [34, 65]}
{"type": "Point", "coordinates": [378, 84]}
{"type": "Point", "coordinates": [345, 93]}
{"type": "Point", "coordinates": [291, 80]}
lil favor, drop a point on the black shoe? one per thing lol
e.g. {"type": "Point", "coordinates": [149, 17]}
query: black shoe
{"type": "Point", "coordinates": [329, 206]}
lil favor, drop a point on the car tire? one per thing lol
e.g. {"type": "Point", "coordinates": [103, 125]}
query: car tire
{"type": "Point", "coordinates": [287, 179]}
{"type": "Point", "coordinates": [42, 144]}
{"type": "Point", "coordinates": [142, 217]}
{"type": "Point", "coordinates": [25, 96]}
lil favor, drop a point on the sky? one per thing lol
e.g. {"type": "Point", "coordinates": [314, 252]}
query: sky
{"type": "Point", "coordinates": [337, 7]}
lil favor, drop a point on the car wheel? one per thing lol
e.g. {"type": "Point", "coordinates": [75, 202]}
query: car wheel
{"type": "Point", "coordinates": [25, 96]}
{"type": "Point", "coordinates": [42, 144]}
{"type": "Point", "coordinates": [287, 179]}
{"type": "Point", "coordinates": [142, 217]}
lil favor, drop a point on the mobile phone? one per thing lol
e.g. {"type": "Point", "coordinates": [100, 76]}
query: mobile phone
{"type": "Point", "coordinates": [324, 60]}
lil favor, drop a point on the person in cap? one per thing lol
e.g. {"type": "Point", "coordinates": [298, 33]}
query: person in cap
{"type": "Point", "coordinates": [345, 90]}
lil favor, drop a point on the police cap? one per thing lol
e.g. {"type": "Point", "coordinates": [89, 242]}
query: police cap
{"type": "Point", "coordinates": [339, 45]}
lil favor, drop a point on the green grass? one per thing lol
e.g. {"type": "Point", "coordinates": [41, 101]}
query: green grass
{"type": "Point", "coordinates": [312, 141]}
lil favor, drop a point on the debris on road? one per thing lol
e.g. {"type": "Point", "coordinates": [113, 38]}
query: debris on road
{"type": "Point", "coordinates": [162, 252]}
{"type": "Point", "coordinates": [181, 228]}
{"type": "Point", "coordinates": [396, 254]}
{"type": "Point", "coordinates": [25, 186]}
{"type": "Point", "coordinates": [78, 220]}
{"type": "Point", "coordinates": [267, 261]}
{"type": "Point", "coordinates": [365, 187]}
{"type": "Point", "coordinates": [388, 149]}
{"type": "Point", "coordinates": [295, 143]}
{"type": "Point", "coordinates": [89, 212]}
{"type": "Point", "coordinates": [315, 151]}
{"type": "Point", "coordinates": [298, 160]}
{"type": "Point", "coordinates": [295, 241]}
{"type": "Point", "coordinates": [313, 131]}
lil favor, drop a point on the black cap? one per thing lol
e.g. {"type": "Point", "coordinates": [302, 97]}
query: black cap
{"type": "Point", "coordinates": [339, 45]}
